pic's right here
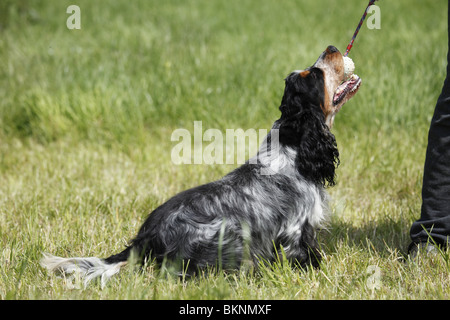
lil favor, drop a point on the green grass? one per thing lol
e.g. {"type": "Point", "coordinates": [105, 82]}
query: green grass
{"type": "Point", "coordinates": [86, 118]}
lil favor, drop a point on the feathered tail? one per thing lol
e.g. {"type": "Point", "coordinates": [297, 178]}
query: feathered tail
{"type": "Point", "coordinates": [88, 268]}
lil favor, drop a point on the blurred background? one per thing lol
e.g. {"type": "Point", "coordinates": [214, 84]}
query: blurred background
{"type": "Point", "coordinates": [86, 115]}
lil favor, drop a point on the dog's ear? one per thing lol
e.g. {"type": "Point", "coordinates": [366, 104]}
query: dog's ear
{"type": "Point", "coordinates": [317, 154]}
{"type": "Point", "coordinates": [302, 127]}
{"type": "Point", "coordinates": [303, 89]}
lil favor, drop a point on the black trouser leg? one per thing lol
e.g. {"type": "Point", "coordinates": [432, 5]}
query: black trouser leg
{"type": "Point", "coordinates": [435, 213]}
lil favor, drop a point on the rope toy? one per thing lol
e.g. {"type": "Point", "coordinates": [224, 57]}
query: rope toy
{"type": "Point", "coordinates": [350, 45]}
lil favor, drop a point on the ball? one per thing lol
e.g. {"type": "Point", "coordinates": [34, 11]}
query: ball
{"type": "Point", "coordinates": [349, 67]}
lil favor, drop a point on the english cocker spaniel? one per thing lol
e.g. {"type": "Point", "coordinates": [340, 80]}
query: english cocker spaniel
{"type": "Point", "coordinates": [275, 201]}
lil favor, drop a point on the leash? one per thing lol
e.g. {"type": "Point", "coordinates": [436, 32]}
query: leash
{"type": "Point", "coordinates": [350, 45]}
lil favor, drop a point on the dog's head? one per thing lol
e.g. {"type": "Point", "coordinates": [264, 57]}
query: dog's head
{"type": "Point", "coordinates": [311, 100]}
{"type": "Point", "coordinates": [324, 84]}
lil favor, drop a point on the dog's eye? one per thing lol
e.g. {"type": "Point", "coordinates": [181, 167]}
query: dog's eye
{"type": "Point", "coordinates": [316, 73]}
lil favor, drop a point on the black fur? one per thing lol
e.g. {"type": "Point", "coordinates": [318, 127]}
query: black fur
{"type": "Point", "coordinates": [246, 199]}
{"type": "Point", "coordinates": [246, 215]}
{"type": "Point", "coordinates": [302, 127]}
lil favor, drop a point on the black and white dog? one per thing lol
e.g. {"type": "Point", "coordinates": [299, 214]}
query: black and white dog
{"type": "Point", "coordinates": [277, 200]}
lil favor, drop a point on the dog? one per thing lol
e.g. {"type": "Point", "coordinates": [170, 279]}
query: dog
{"type": "Point", "coordinates": [259, 211]}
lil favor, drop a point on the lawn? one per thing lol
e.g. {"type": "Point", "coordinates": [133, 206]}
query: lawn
{"type": "Point", "coordinates": [86, 118]}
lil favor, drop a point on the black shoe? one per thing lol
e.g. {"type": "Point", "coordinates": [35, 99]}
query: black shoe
{"type": "Point", "coordinates": [422, 248]}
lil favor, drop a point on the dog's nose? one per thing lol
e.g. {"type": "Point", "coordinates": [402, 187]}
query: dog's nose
{"type": "Point", "coordinates": [332, 49]}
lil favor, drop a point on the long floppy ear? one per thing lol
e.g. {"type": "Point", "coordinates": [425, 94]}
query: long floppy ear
{"type": "Point", "coordinates": [317, 156]}
{"type": "Point", "coordinates": [303, 128]}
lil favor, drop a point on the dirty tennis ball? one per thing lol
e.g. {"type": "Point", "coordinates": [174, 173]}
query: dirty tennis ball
{"type": "Point", "coordinates": [349, 67]}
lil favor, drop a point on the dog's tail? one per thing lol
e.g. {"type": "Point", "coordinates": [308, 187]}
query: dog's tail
{"type": "Point", "coordinates": [88, 268]}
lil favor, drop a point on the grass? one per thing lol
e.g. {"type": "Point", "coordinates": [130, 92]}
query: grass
{"type": "Point", "coordinates": [86, 117]}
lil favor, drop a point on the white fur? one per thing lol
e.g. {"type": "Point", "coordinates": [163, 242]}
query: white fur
{"type": "Point", "coordinates": [87, 268]}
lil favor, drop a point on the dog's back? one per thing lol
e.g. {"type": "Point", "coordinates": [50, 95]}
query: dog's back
{"type": "Point", "coordinates": [255, 210]}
